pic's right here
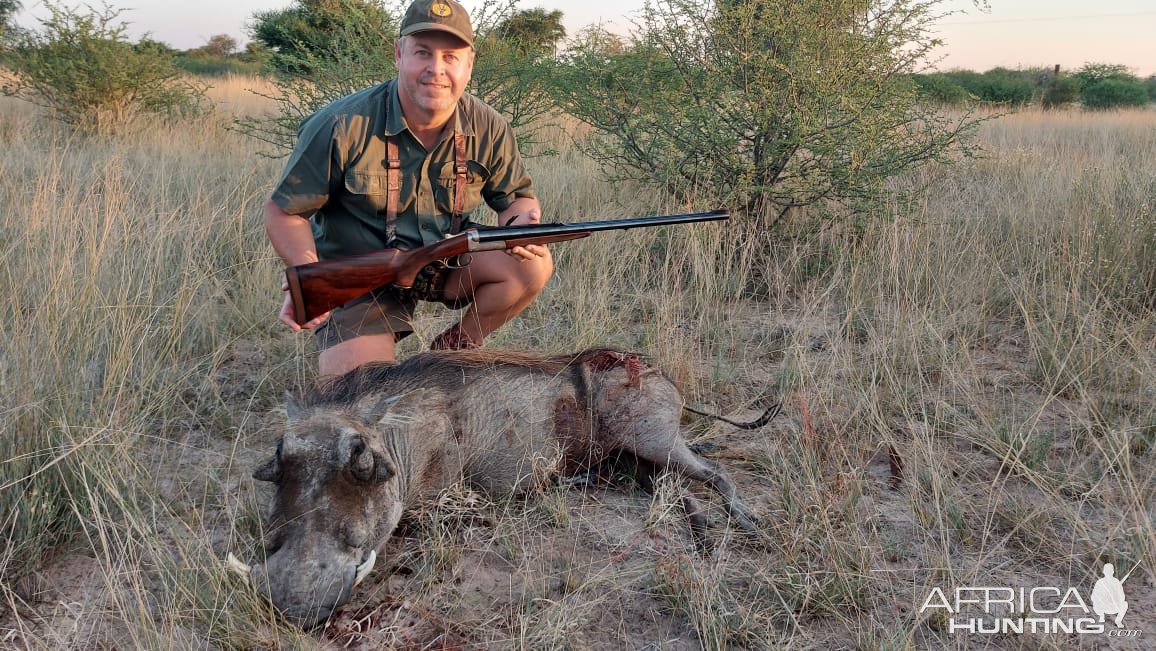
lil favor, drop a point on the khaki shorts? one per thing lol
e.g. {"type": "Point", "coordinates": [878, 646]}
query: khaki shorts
{"type": "Point", "coordinates": [384, 310]}
{"type": "Point", "coordinates": [379, 312]}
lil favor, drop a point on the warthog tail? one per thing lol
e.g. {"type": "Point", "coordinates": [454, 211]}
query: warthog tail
{"type": "Point", "coordinates": [768, 416]}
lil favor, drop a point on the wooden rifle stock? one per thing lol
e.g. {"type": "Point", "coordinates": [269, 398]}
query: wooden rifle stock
{"type": "Point", "coordinates": [318, 287]}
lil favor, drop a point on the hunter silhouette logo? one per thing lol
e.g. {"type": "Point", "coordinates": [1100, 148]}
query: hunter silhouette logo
{"type": "Point", "coordinates": [441, 9]}
{"type": "Point", "coordinates": [1108, 596]}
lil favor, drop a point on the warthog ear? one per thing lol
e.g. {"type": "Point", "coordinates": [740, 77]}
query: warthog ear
{"type": "Point", "coordinates": [384, 469]}
{"type": "Point", "coordinates": [269, 471]}
{"type": "Point", "coordinates": [378, 410]}
{"type": "Point", "coordinates": [293, 408]}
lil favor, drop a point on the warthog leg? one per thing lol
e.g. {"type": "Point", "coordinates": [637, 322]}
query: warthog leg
{"type": "Point", "coordinates": [688, 464]}
{"type": "Point", "coordinates": [696, 515]}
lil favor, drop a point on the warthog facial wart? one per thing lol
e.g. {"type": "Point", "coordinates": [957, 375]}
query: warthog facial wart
{"type": "Point", "coordinates": [362, 448]}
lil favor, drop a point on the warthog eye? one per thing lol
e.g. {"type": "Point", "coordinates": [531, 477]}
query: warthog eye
{"type": "Point", "coordinates": [368, 466]}
{"type": "Point", "coordinates": [361, 463]}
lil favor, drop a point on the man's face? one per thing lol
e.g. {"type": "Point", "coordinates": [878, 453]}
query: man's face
{"type": "Point", "coordinates": [433, 69]}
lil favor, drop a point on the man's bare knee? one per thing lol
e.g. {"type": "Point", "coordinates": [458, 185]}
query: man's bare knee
{"type": "Point", "coordinates": [348, 355]}
{"type": "Point", "coordinates": [531, 276]}
{"type": "Point", "coordinates": [520, 278]}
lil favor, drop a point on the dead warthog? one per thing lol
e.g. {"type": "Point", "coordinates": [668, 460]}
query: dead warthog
{"type": "Point", "coordinates": [363, 448]}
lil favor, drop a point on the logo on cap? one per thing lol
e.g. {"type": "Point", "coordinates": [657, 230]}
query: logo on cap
{"type": "Point", "coordinates": [440, 9]}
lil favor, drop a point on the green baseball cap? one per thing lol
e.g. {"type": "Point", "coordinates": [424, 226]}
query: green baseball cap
{"type": "Point", "coordinates": [439, 16]}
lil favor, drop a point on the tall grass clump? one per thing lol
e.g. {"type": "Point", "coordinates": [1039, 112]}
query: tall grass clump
{"type": "Point", "coordinates": [131, 266]}
{"type": "Point", "coordinates": [1003, 337]}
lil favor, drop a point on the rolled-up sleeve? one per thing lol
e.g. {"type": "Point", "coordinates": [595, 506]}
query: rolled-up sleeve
{"type": "Point", "coordinates": [311, 171]}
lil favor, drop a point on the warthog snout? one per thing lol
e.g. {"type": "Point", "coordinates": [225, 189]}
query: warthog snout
{"type": "Point", "coordinates": [309, 607]}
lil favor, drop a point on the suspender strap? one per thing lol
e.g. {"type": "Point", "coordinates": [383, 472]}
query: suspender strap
{"type": "Point", "coordinates": [459, 181]}
{"type": "Point", "coordinates": [392, 187]}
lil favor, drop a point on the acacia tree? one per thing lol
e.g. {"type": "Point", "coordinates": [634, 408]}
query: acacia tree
{"type": "Point", "coordinates": [1109, 86]}
{"type": "Point", "coordinates": [536, 31]}
{"type": "Point", "coordinates": [319, 51]}
{"type": "Point", "coordinates": [514, 84]}
{"type": "Point", "coordinates": [82, 67]}
{"type": "Point", "coordinates": [309, 34]}
{"type": "Point", "coordinates": [764, 105]}
{"type": "Point", "coordinates": [597, 40]}
{"type": "Point", "coordinates": [219, 45]}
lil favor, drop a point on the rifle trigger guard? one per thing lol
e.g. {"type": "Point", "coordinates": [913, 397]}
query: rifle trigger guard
{"type": "Point", "coordinates": [458, 261]}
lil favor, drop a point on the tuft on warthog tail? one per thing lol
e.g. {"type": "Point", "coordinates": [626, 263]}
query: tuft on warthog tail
{"type": "Point", "coordinates": [362, 448]}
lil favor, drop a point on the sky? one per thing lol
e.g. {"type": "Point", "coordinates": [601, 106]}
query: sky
{"type": "Point", "coordinates": [1012, 33]}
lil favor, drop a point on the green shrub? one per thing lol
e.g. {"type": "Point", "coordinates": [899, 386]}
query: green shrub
{"type": "Point", "coordinates": [306, 35]}
{"type": "Point", "coordinates": [82, 67]}
{"type": "Point", "coordinates": [940, 87]}
{"type": "Point", "coordinates": [1093, 72]}
{"type": "Point", "coordinates": [1004, 86]}
{"type": "Point", "coordinates": [307, 79]}
{"type": "Point", "coordinates": [1062, 91]}
{"type": "Point", "coordinates": [727, 102]}
{"type": "Point", "coordinates": [1114, 93]}
{"type": "Point", "coordinates": [535, 31]}
{"type": "Point", "coordinates": [1108, 86]}
{"type": "Point", "coordinates": [999, 85]}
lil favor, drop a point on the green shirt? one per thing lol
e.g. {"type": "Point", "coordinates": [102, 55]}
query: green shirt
{"type": "Point", "coordinates": [336, 174]}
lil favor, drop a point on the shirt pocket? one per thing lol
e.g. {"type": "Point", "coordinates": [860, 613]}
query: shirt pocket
{"type": "Point", "coordinates": [366, 190]}
{"type": "Point", "coordinates": [476, 177]}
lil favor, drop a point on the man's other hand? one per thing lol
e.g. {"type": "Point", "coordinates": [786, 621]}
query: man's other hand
{"type": "Point", "coordinates": [530, 251]}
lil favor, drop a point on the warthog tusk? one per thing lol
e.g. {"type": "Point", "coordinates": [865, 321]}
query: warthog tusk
{"type": "Point", "coordinates": [237, 566]}
{"type": "Point", "coordinates": [365, 568]}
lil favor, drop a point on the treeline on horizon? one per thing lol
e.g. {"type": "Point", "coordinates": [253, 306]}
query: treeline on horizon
{"type": "Point", "coordinates": [1093, 86]}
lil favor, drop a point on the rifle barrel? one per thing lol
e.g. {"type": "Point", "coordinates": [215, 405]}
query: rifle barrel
{"type": "Point", "coordinates": [499, 233]}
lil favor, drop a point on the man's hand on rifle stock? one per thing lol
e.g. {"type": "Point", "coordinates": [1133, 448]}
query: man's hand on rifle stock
{"type": "Point", "coordinates": [286, 314]}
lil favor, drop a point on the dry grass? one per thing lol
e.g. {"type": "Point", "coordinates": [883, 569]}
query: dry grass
{"type": "Point", "coordinates": [998, 340]}
{"type": "Point", "coordinates": [243, 96]}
